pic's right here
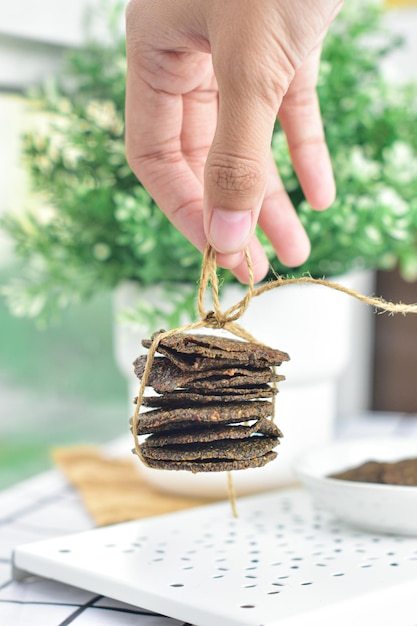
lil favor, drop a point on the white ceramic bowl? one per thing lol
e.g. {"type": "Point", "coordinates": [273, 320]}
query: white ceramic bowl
{"type": "Point", "coordinates": [373, 507]}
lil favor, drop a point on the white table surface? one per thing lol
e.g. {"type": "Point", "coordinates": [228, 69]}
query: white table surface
{"type": "Point", "coordinates": [46, 506]}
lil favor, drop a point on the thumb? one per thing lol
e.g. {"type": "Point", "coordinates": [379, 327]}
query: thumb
{"type": "Point", "coordinates": [237, 163]}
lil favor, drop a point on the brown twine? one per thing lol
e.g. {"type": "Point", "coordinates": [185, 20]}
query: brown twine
{"type": "Point", "coordinates": [232, 494]}
{"type": "Point", "coordinates": [379, 303]}
{"type": "Point", "coordinates": [226, 320]}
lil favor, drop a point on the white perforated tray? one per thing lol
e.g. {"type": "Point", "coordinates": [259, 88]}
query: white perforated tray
{"type": "Point", "coordinates": [282, 562]}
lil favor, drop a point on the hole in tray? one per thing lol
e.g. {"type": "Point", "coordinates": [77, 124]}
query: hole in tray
{"type": "Point", "coordinates": [177, 585]}
{"type": "Point", "coordinates": [64, 550]}
{"type": "Point", "coordinates": [247, 606]}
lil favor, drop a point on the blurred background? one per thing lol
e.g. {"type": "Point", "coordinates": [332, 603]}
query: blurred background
{"type": "Point", "coordinates": [59, 383]}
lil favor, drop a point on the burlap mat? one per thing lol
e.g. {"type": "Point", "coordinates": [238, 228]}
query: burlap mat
{"type": "Point", "coordinates": [112, 490]}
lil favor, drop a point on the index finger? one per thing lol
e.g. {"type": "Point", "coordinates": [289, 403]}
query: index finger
{"type": "Point", "coordinates": [153, 149]}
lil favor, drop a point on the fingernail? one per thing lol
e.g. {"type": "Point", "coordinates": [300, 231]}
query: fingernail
{"type": "Point", "coordinates": [230, 230]}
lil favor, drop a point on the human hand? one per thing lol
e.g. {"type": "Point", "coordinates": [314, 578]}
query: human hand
{"type": "Point", "coordinates": [206, 80]}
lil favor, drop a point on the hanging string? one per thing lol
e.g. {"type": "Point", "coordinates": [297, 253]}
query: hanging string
{"type": "Point", "coordinates": [232, 494]}
{"type": "Point", "coordinates": [384, 306]}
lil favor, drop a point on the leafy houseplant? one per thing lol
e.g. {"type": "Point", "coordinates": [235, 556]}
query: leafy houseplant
{"type": "Point", "coordinates": [93, 225]}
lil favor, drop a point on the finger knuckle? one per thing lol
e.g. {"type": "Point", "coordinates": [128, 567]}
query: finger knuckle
{"type": "Point", "coordinates": [234, 175]}
{"type": "Point", "coordinates": [301, 98]}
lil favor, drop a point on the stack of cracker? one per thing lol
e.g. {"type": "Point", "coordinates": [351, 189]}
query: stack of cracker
{"type": "Point", "coordinates": [213, 408]}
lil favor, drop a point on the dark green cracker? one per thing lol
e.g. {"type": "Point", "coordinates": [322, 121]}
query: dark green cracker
{"type": "Point", "coordinates": [262, 427]}
{"type": "Point", "coordinates": [201, 451]}
{"type": "Point", "coordinates": [227, 413]}
{"type": "Point", "coordinates": [185, 398]}
{"type": "Point", "coordinates": [164, 376]}
{"type": "Point", "coordinates": [201, 352]}
{"type": "Point", "coordinates": [212, 466]}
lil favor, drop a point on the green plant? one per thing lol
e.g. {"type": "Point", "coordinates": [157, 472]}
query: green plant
{"type": "Point", "coordinates": [93, 225]}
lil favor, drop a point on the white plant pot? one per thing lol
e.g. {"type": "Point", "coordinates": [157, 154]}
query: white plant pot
{"type": "Point", "coordinates": [317, 327]}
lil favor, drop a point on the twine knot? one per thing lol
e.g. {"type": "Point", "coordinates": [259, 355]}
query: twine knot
{"type": "Point", "coordinates": [215, 320]}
